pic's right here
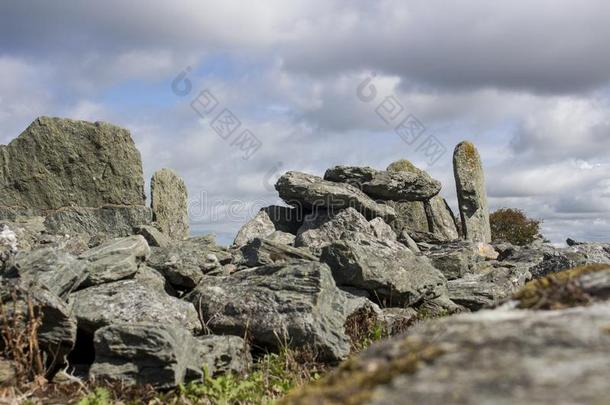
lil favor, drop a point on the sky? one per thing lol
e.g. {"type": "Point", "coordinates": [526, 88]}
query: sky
{"type": "Point", "coordinates": [232, 94]}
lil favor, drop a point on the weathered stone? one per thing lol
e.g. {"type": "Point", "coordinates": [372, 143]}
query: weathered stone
{"type": "Point", "coordinates": [153, 236]}
{"type": "Point", "coordinates": [57, 328]}
{"type": "Point", "coordinates": [111, 221]}
{"type": "Point", "coordinates": [489, 357]}
{"type": "Point", "coordinates": [169, 202]}
{"type": "Point", "coordinates": [410, 216]}
{"type": "Point", "coordinates": [307, 191]}
{"type": "Point", "coordinates": [390, 272]}
{"type": "Point", "coordinates": [472, 196]}
{"type": "Point", "coordinates": [153, 278]}
{"type": "Point", "coordinates": [487, 288]}
{"type": "Point", "coordinates": [297, 304]}
{"type": "Point", "coordinates": [130, 301]}
{"type": "Point", "coordinates": [440, 219]}
{"type": "Point", "coordinates": [115, 259]}
{"type": "Point", "coordinates": [260, 226]}
{"type": "Point", "coordinates": [50, 268]}
{"type": "Point", "coordinates": [283, 238]}
{"type": "Point", "coordinates": [321, 228]}
{"type": "Point", "coordinates": [381, 230]}
{"type": "Point", "coordinates": [260, 252]}
{"type": "Point", "coordinates": [58, 163]}
{"type": "Point", "coordinates": [406, 240]}
{"type": "Point", "coordinates": [163, 356]}
{"type": "Point", "coordinates": [387, 185]}
{"type": "Point", "coordinates": [459, 258]}
{"type": "Point", "coordinates": [184, 263]}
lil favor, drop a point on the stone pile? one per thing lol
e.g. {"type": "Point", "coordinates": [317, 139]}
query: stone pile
{"type": "Point", "coordinates": [134, 298]}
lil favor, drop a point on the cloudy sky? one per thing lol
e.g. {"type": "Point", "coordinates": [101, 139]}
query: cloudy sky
{"type": "Point", "coordinates": [316, 83]}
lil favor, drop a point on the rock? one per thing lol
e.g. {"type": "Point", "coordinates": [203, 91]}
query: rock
{"type": "Point", "coordinates": [381, 230]}
{"type": "Point", "coordinates": [556, 261]}
{"type": "Point", "coordinates": [115, 259]}
{"type": "Point", "coordinates": [50, 268]}
{"type": "Point", "coordinates": [472, 196]}
{"type": "Point", "coordinates": [487, 288]}
{"type": "Point", "coordinates": [406, 240]}
{"type": "Point", "coordinates": [260, 226]}
{"type": "Point", "coordinates": [457, 259]}
{"type": "Point", "coordinates": [410, 216]}
{"type": "Point", "coordinates": [488, 357]}
{"type": "Point", "coordinates": [440, 219]}
{"type": "Point", "coordinates": [387, 185]}
{"type": "Point", "coordinates": [163, 356]}
{"type": "Point", "coordinates": [58, 163]}
{"type": "Point", "coordinates": [184, 263]}
{"type": "Point", "coordinates": [169, 203]}
{"type": "Point", "coordinates": [153, 236]}
{"type": "Point", "coordinates": [307, 191]}
{"type": "Point", "coordinates": [260, 252]}
{"type": "Point", "coordinates": [111, 221]}
{"type": "Point", "coordinates": [577, 286]}
{"type": "Point", "coordinates": [283, 238]}
{"type": "Point", "coordinates": [572, 242]}
{"type": "Point", "coordinates": [390, 272]}
{"type": "Point", "coordinates": [322, 228]}
{"type": "Point", "coordinates": [397, 320]}
{"type": "Point", "coordinates": [297, 304]}
{"type": "Point", "coordinates": [57, 328]}
{"type": "Point", "coordinates": [130, 301]}
{"type": "Point", "coordinates": [222, 354]}
{"type": "Point", "coordinates": [153, 278]}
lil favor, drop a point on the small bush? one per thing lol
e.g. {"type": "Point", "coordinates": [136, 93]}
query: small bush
{"type": "Point", "coordinates": [513, 226]}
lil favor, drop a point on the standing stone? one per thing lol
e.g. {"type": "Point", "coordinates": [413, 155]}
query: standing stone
{"type": "Point", "coordinates": [472, 197]}
{"type": "Point", "coordinates": [169, 203]}
{"type": "Point", "coordinates": [58, 163]}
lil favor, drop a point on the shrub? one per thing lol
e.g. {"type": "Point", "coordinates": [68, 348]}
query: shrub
{"type": "Point", "coordinates": [513, 226]}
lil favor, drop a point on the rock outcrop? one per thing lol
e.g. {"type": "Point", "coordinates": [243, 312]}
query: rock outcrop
{"type": "Point", "coordinates": [169, 203]}
{"type": "Point", "coordinates": [471, 192]}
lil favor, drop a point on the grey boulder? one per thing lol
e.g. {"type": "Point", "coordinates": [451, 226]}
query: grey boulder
{"type": "Point", "coordinates": [389, 271]}
{"type": "Point", "coordinates": [163, 356]}
{"type": "Point", "coordinates": [130, 301]}
{"type": "Point", "coordinates": [295, 304]}
{"type": "Point", "coordinates": [307, 192]}
{"type": "Point", "coordinates": [260, 252]}
{"type": "Point", "coordinates": [387, 185]}
{"type": "Point", "coordinates": [115, 259]}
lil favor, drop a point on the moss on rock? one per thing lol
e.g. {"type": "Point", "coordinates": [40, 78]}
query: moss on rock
{"type": "Point", "coordinates": [402, 165]}
{"type": "Point", "coordinates": [355, 381]}
{"type": "Point", "coordinates": [558, 290]}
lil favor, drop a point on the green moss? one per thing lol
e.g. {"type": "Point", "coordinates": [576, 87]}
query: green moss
{"type": "Point", "coordinates": [402, 165]}
{"type": "Point", "coordinates": [558, 290]}
{"type": "Point", "coordinates": [355, 380]}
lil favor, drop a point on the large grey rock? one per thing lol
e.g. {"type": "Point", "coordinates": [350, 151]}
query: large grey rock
{"type": "Point", "coordinates": [115, 259]}
{"type": "Point", "coordinates": [260, 252]}
{"type": "Point", "coordinates": [458, 258]}
{"type": "Point", "coordinates": [169, 203]}
{"type": "Point", "coordinates": [57, 328]}
{"type": "Point", "coordinates": [58, 163]}
{"type": "Point", "coordinates": [130, 301]}
{"type": "Point", "coordinates": [50, 268]}
{"type": "Point", "coordinates": [269, 220]}
{"type": "Point", "coordinates": [389, 271]}
{"type": "Point", "coordinates": [307, 191]}
{"type": "Point", "coordinates": [387, 185]}
{"type": "Point", "coordinates": [488, 357]}
{"type": "Point", "coordinates": [410, 216]}
{"type": "Point", "coordinates": [111, 221]}
{"type": "Point", "coordinates": [163, 356]}
{"type": "Point", "coordinates": [471, 193]}
{"type": "Point", "coordinates": [488, 287]}
{"type": "Point", "coordinates": [321, 228]}
{"type": "Point", "coordinates": [297, 304]}
{"type": "Point", "coordinates": [153, 236]}
{"type": "Point", "coordinates": [184, 263]}
{"type": "Point", "coordinates": [440, 219]}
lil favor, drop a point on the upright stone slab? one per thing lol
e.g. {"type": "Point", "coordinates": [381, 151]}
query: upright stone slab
{"type": "Point", "coordinates": [169, 203]}
{"type": "Point", "coordinates": [472, 197]}
{"type": "Point", "coordinates": [57, 163]}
